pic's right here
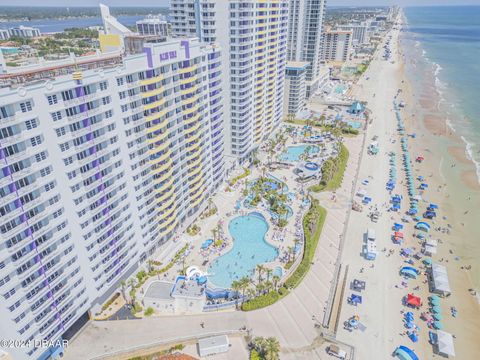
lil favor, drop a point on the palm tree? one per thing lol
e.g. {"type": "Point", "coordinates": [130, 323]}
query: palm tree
{"type": "Point", "coordinates": [260, 270]}
{"type": "Point", "coordinates": [132, 282]}
{"type": "Point", "coordinates": [150, 265]}
{"type": "Point", "coordinates": [271, 349]}
{"type": "Point", "coordinates": [289, 252]}
{"type": "Point", "coordinates": [275, 279]}
{"type": "Point", "coordinates": [269, 273]}
{"type": "Point", "coordinates": [123, 284]}
{"type": "Point", "coordinates": [296, 242]}
{"type": "Point", "coordinates": [236, 287]}
{"type": "Point", "coordinates": [244, 284]}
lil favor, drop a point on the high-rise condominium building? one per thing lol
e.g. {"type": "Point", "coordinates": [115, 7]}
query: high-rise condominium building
{"type": "Point", "coordinates": [253, 34]}
{"type": "Point", "coordinates": [153, 25]}
{"type": "Point", "coordinates": [304, 38]}
{"type": "Point", "coordinates": [359, 32]}
{"type": "Point", "coordinates": [295, 87]}
{"type": "Point", "coordinates": [102, 160]}
{"type": "Point", "coordinates": [336, 45]}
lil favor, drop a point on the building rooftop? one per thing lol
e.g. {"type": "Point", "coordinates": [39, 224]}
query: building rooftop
{"type": "Point", "coordinates": [160, 290]}
{"type": "Point", "coordinates": [189, 289]}
{"type": "Point", "coordinates": [297, 65]}
{"type": "Point", "coordinates": [214, 341]}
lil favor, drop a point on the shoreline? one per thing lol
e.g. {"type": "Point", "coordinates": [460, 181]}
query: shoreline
{"type": "Point", "coordinates": [445, 163]}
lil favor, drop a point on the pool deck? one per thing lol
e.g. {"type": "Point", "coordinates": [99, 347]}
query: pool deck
{"type": "Point", "coordinates": [285, 320]}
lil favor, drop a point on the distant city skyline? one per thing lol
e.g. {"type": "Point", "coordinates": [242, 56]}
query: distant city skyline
{"type": "Point", "coordinates": [163, 3]}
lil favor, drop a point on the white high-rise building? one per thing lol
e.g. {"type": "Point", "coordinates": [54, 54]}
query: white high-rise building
{"type": "Point", "coordinates": [153, 25]}
{"type": "Point", "coordinates": [253, 34]}
{"type": "Point", "coordinates": [336, 45]}
{"type": "Point", "coordinates": [103, 158]}
{"type": "Point", "coordinates": [359, 32]}
{"type": "Point", "coordinates": [304, 38]}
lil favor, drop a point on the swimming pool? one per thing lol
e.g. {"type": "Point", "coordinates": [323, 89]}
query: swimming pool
{"type": "Point", "coordinates": [249, 250]}
{"type": "Point", "coordinates": [293, 153]}
{"type": "Point", "coordinates": [340, 89]}
{"type": "Point", "coordinates": [355, 124]}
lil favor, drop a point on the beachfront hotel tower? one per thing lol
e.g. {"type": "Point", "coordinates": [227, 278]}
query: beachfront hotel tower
{"type": "Point", "coordinates": [103, 158]}
{"type": "Point", "coordinates": [305, 24]}
{"type": "Point", "coordinates": [253, 34]}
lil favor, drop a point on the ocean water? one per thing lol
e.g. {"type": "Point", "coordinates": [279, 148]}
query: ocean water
{"type": "Point", "coordinates": [59, 25]}
{"type": "Point", "coordinates": [449, 37]}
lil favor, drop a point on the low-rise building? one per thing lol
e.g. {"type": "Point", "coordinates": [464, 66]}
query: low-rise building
{"type": "Point", "coordinates": [24, 31]}
{"type": "Point", "coordinates": [153, 25]}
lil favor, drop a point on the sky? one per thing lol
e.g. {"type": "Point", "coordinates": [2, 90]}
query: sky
{"type": "Point", "coordinates": [165, 2]}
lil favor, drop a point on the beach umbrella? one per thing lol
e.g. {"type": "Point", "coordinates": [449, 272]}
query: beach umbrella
{"type": "Point", "coordinates": [437, 316]}
{"type": "Point", "coordinates": [434, 297]}
{"type": "Point", "coordinates": [438, 325]}
{"type": "Point", "coordinates": [409, 324]}
{"type": "Point", "coordinates": [404, 353]}
{"type": "Point", "coordinates": [427, 261]}
{"type": "Point", "coordinates": [435, 302]}
{"type": "Point", "coordinates": [413, 336]}
{"type": "Point", "coordinates": [436, 309]}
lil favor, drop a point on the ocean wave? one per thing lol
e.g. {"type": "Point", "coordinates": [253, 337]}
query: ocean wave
{"type": "Point", "coordinates": [469, 152]}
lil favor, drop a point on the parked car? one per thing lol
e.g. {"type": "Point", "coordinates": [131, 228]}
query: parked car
{"type": "Point", "coordinates": [334, 350]}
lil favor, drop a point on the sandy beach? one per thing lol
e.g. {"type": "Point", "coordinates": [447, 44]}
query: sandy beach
{"type": "Point", "coordinates": [451, 185]}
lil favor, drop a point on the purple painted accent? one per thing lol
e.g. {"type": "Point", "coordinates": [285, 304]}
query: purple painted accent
{"type": "Point", "coordinates": [45, 282]}
{"type": "Point", "coordinates": [23, 217]}
{"type": "Point", "coordinates": [116, 261]}
{"type": "Point", "coordinates": [92, 150]}
{"type": "Point", "coordinates": [100, 187]}
{"type": "Point", "coordinates": [114, 252]}
{"type": "Point", "coordinates": [110, 232]}
{"type": "Point", "coordinates": [149, 74]}
{"type": "Point", "coordinates": [28, 232]}
{"type": "Point", "coordinates": [12, 187]}
{"type": "Point", "coordinates": [79, 91]}
{"type": "Point", "coordinates": [41, 271]}
{"type": "Point", "coordinates": [98, 175]}
{"type": "Point", "coordinates": [2, 153]}
{"type": "Point", "coordinates": [108, 222]}
{"type": "Point", "coordinates": [49, 294]}
{"type": "Point", "coordinates": [95, 163]}
{"type": "Point", "coordinates": [89, 136]}
{"type": "Point", "coordinates": [33, 245]}
{"type": "Point", "coordinates": [36, 258]}
{"type": "Point", "coordinates": [86, 122]}
{"type": "Point", "coordinates": [105, 211]}
{"type": "Point", "coordinates": [186, 45]}
{"type": "Point", "coordinates": [164, 56]}
{"type": "Point", "coordinates": [148, 52]}
{"type": "Point", "coordinates": [112, 242]}
{"type": "Point", "coordinates": [117, 271]}
{"type": "Point", "coordinates": [6, 171]}
{"type": "Point", "coordinates": [57, 316]}
{"type": "Point", "coordinates": [83, 108]}
{"type": "Point", "coordinates": [17, 203]}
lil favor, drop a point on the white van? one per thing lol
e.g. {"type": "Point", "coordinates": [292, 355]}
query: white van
{"type": "Point", "coordinates": [371, 235]}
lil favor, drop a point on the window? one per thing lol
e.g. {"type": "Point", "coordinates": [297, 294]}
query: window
{"type": "Point", "coordinates": [60, 131]}
{"type": "Point", "coordinates": [37, 140]}
{"type": "Point", "coordinates": [52, 99]}
{"type": "Point", "coordinates": [120, 81]}
{"type": "Point", "coordinates": [26, 106]}
{"type": "Point", "coordinates": [56, 116]}
{"type": "Point", "coordinates": [31, 124]}
{"type": "Point", "coordinates": [103, 85]}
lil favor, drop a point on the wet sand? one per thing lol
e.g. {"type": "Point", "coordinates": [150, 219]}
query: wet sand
{"type": "Point", "coordinates": [454, 186]}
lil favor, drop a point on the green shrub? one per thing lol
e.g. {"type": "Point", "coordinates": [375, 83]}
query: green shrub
{"type": "Point", "coordinates": [254, 355]}
{"type": "Point", "coordinates": [333, 171]}
{"type": "Point", "coordinates": [110, 301]}
{"type": "Point", "coordinates": [246, 172]}
{"type": "Point", "coordinates": [261, 301]}
{"type": "Point", "coordinates": [312, 227]}
{"type": "Point", "coordinates": [149, 311]}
